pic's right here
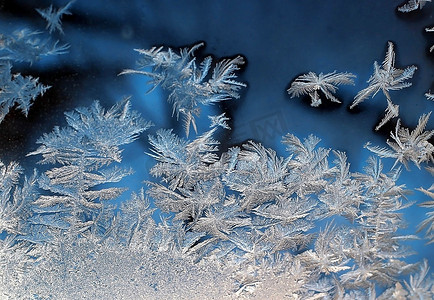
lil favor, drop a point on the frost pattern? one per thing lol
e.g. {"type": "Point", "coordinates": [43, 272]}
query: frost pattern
{"type": "Point", "coordinates": [17, 255]}
{"type": "Point", "coordinates": [236, 224]}
{"type": "Point", "coordinates": [420, 286]}
{"type": "Point", "coordinates": [237, 232]}
{"type": "Point", "coordinates": [83, 151]}
{"type": "Point", "coordinates": [54, 16]}
{"type": "Point", "coordinates": [26, 46]}
{"type": "Point", "coordinates": [386, 78]}
{"type": "Point", "coordinates": [250, 205]}
{"type": "Point", "coordinates": [428, 222]}
{"type": "Point", "coordinates": [312, 84]}
{"type": "Point", "coordinates": [13, 198]}
{"type": "Point", "coordinates": [133, 259]}
{"type": "Point", "coordinates": [392, 111]}
{"type": "Point", "coordinates": [219, 120]}
{"type": "Point", "coordinates": [431, 49]}
{"type": "Point", "coordinates": [408, 146]}
{"type": "Point", "coordinates": [23, 45]}
{"type": "Point", "coordinates": [17, 89]}
{"type": "Point", "coordinates": [412, 5]}
{"type": "Point", "coordinates": [189, 84]}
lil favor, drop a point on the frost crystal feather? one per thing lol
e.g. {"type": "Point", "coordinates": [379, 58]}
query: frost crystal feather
{"type": "Point", "coordinates": [385, 78]}
{"type": "Point", "coordinates": [12, 197]}
{"type": "Point", "coordinates": [392, 111]}
{"type": "Point", "coordinates": [431, 49]}
{"type": "Point", "coordinates": [312, 84]}
{"type": "Point", "coordinates": [17, 89]}
{"type": "Point", "coordinates": [25, 45]}
{"type": "Point", "coordinates": [83, 150]}
{"type": "Point", "coordinates": [428, 222]}
{"type": "Point", "coordinates": [413, 5]}
{"type": "Point", "coordinates": [54, 16]}
{"type": "Point", "coordinates": [406, 145]}
{"type": "Point", "coordinates": [219, 120]}
{"type": "Point", "coordinates": [189, 84]}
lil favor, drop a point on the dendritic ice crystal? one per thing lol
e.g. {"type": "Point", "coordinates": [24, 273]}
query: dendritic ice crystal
{"type": "Point", "coordinates": [409, 146]}
{"type": "Point", "coordinates": [386, 78]}
{"type": "Point", "coordinates": [23, 45]}
{"type": "Point", "coordinates": [54, 16]}
{"type": "Point", "coordinates": [212, 221]}
{"type": "Point", "coordinates": [188, 83]}
{"type": "Point", "coordinates": [82, 152]}
{"type": "Point", "coordinates": [412, 5]}
{"type": "Point", "coordinates": [312, 84]}
{"type": "Point", "coordinates": [16, 89]}
{"type": "Point", "coordinates": [26, 45]}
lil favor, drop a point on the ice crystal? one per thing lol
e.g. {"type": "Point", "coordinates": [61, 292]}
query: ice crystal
{"type": "Point", "coordinates": [14, 198]}
{"type": "Point", "coordinates": [235, 223]}
{"type": "Point", "coordinates": [385, 78]}
{"type": "Point", "coordinates": [408, 146]}
{"type": "Point", "coordinates": [26, 45]}
{"type": "Point", "coordinates": [420, 285]}
{"type": "Point", "coordinates": [219, 120]}
{"type": "Point", "coordinates": [392, 111]}
{"type": "Point", "coordinates": [17, 89]}
{"type": "Point", "coordinates": [83, 149]}
{"type": "Point", "coordinates": [312, 84]}
{"type": "Point", "coordinates": [412, 5]}
{"type": "Point", "coordinates": [428, 223]}
{"type": "Point", "coordinates": [430, 30]}
{"type": "Point", "coordinates": [189, 84]}
{"type": "Point", "coordinates": [54, 16]}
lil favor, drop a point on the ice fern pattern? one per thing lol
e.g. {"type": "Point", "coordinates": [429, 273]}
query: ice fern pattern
{"type": "Point", "coordinates": [431, 49]}
{"type": "Point", "coordinates": [17, 254]}
{"type": "Point", "coordinates": [408, 146]}
{"type": "Point", "coordinates": [14, 198]}
{"type": "Point", "coordinates": [188, 83]}
{"type": "Point", "coordinates": [412, 5]}
{"type": "Point", "coordinates": [23, 45]}
{"type": "Point", "coordinates": [312, 84]}
{"type": "Point", "coordinates": [251, 204]}
{"type": "Point", "coordinates": [17, 89]}
{"type": "Point", "coordinates": [392, 111]}
{"type": "Point", "coordinates": [386, 78]}
{"type": "Point", "coordinates": [428, 222]}
{"type": "Point", "coordinates": [54, 16]}
{"type": "Point", "coordinates": [243, 222]}
{"type": "Point", "coordinates": [82, 153]}
{"type": "Point", "coordinates": [26, 46]}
